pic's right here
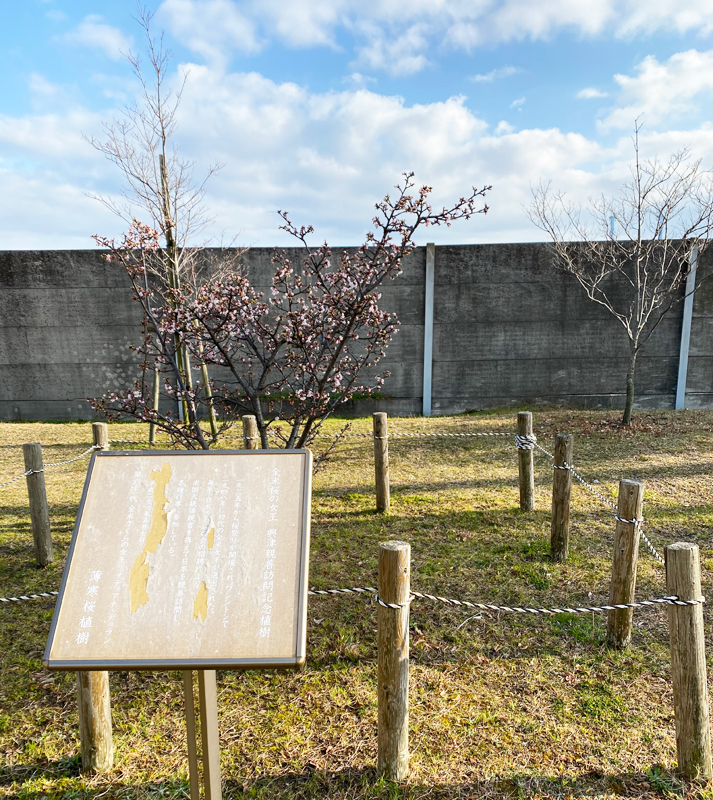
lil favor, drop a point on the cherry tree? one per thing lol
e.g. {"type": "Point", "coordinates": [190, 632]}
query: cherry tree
{"type": "Point", "coordinates": [290, 358]}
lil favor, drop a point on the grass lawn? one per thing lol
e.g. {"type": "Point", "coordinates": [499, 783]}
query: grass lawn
{"type": "Point", "coordinates": [501, 706]}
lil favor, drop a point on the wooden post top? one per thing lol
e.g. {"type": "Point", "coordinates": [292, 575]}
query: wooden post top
{"type": "Point", "coordinates": [395, 545]}
{"type": "Point", "coordinates": [682, 546]}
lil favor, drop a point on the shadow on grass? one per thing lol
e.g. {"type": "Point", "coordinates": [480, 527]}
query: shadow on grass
{"type": "Point", "coordinates": [359, 784]}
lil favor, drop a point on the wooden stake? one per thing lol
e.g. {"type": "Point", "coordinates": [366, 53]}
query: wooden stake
{"type": "Point", "coordinates": [93, 696]}
{"type": "Point", "coordinates": [525, 464]}
{"type": "Point", "coordinates": [208, 699]}
{"type": "Point", "coordinates": [394, 587]}
{"type": "Point", "coordinates": [626, 554]}
{"type": "Point", "coordinates": [100, 434]}
{"type": "Point", "coordinates": [688, 662]}
{"type": "Point", "coordinates": [39, 510]}
{"type": "Point", "coordinates": [95, 721]}
{"type": "Point", "coordinates": [193, 776]}
{"type": "Point", "coordinates": [381, 461]}
{"type": "Point", "coordinates": [156, 400]}
{"type": "Point", "coordinates": [251, 435]}
{"type": "Point", "coordinates": [561, 493]}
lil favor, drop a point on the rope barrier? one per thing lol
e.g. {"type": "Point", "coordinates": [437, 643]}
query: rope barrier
{"type": "Point", "coordinates": [27, 597]}
{"type": "Point", "coordinates": [636, 522]}
{"type": "Point", "coordinates": [370, 590]}
{"type": "Point", "coordinates": [404, 435]}
{"type": "Point", "coordinates": [668, 600]}
{"type": "Point", "coordinates": [47, 466]}
{"type": "Point", "coordinates": [18, 478]}
{"type": "Point", "coordinates": [71, 460]}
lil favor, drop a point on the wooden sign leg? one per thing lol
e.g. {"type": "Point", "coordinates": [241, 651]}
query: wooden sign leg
{"type": "Point", "coordinates": [208, 698]}
{"type": "Point", "coordinates": [191, 734]}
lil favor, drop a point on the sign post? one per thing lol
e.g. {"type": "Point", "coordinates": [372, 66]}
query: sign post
{"type": "Point", "coordinates": [190, 561]}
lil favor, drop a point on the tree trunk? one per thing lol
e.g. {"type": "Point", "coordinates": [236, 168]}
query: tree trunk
{"type": "Point", "coordinates": [626, 419]}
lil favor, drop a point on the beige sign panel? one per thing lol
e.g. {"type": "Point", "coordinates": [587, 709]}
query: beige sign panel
{"type": "Point", "coordinates": [187, 560]}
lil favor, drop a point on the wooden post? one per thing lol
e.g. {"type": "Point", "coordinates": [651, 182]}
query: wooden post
{"type": "Point", "coordinates": [525, 463]}
{"type": "Point", "coordinates": [193, 776]}
{"type": "Point", "coordinates": [394, 587]}
{"type": "Point", "coordinates": [156, 400]}
{"type": "Point", "coordinates": [39, 510]}
{"type": "Point", "coordinates": [95, 721]}
{"type": "Point", "coordinates": [208, 697]}
{"type": "Point", "coordinates": [561, 493]}
{"type": "Point", "coordinates": [688, 662]}
{"type": "Point", "coordinates": [100, 435]}
{"type": "Point", "coordinates": [626, 554]}
{"type": "Point", "coordinates": [381, 461]}
{"type": "Point", "coordinates": [251, 435]}
{"type": "Point", "coordinates": [93, 696]}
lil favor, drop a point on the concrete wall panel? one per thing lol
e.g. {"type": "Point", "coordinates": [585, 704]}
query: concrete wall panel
{"type": "Point", "coordinates": [509, 330]}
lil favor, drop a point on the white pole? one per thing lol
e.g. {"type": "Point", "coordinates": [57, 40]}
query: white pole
{"type": "Point", "coordinates": [686, 330]}
{"type": "Point", "coordinates": [428, 329]}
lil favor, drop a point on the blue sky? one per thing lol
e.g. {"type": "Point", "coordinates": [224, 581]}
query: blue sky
{"type": "Point", "coordinates": [317, 106]}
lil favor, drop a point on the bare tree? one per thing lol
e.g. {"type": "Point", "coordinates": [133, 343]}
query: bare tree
{"type": "Point", "coordinates": [632, 252]}
{"type": "Point", "coordinates": [160, 182]}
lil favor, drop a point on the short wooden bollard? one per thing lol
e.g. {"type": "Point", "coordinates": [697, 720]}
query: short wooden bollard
{"type": "Point", "coordinates": [100, 435]}
{"type": "Point", "coordinates": [381, 461]}
{"type": "Point", "coordinates": [95, 721]}
{"type": "Point", "coordinates": [93, 696]}
{"type": "Point", "coordinates": [688, 662]}
{"type": "Point", "coordinates": [526, 469]}
{"type": "Point", "coordinates": [393, 637]}
{"type": "Point", "coordinates": [561, 494]}
{"type": "Point", "coordinates": [626, 554]}
{"type": "Point", "coordinates": [39, 510]}
{"type": "Point", "coordinates": [251, 435]}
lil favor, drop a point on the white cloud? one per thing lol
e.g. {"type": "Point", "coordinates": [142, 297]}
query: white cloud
{"type": "Point", "coordinates": [93, 32]}
{"type": "Point", "coordinates": [495, 74]}
{"type": "Point", "coordinates": [212, 28]}
{"type": "Point", "coordinates": [326, 157]}
{"type": "Point", "coordinates": [663, 90]}
{"type": "Point", "coordinates": [398, 55]}
{"type": "Point", "coordinates": [403, 36]}
{"type": "Point", "coordinates": [358, 81]}
{"type": "Point", "coordinates": [517, 103]}
{"type": "Point", "coordinates": [589, 93]}
{"type": "Point", "coordinates": [303, 23]}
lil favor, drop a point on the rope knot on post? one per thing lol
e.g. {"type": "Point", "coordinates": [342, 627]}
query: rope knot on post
{"type": "Point", "coordinates": [526, 442]}
{"type": "Point", "coordinates": [395, 606]}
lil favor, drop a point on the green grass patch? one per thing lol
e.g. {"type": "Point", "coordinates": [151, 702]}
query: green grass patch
{"type": "Point", "coordinates": [501, 706]}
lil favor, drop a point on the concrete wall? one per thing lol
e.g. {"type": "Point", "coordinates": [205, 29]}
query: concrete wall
{"type": "Point", "coordinates": [509, 329]}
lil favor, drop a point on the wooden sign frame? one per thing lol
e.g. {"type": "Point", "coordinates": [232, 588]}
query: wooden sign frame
{"type": "Point", "coordinates": [300, 525]}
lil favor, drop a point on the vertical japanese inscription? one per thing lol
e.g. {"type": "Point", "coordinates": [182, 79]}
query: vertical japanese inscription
{"type": "Point", "coordinates": [139, 575]}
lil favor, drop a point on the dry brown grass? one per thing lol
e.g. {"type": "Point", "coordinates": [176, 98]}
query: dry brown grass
{"type": "Point", "coordinates": [500, 707]}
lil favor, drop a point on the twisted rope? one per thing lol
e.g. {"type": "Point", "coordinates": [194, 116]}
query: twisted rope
{"type": "Point", "coordinates": [18, 478]}
{"type": "Point", "coordinates": [526, 442]}
{"type": "Point", "coordinates": [70, 460]}
{"type": "Point", "coordinates": [27, 597]}
{"type": "Point", "coordinates": [635, 522]}
{"type": "Point", "coordinates": [46, 466]}
{"type": "Point", "coordinates": [668, 600]}
{"type": "Point", "coordinates": [274, 435]}
{"type": "Point", "coordinates": [361, 590]}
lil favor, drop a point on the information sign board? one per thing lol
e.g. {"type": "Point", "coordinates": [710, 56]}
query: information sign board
{"type": "Point", "coordinates": [187, 560]}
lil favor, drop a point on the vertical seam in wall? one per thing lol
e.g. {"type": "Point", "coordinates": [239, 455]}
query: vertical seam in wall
{"type": "Point", "coordinates": [428, 329]}
{"type": "Point", "coordinates": [686, 331]}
